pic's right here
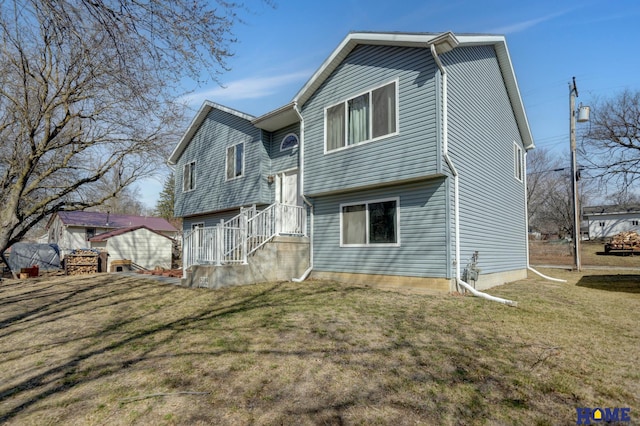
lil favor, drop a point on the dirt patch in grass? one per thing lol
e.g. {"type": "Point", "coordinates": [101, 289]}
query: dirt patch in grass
{"type": "Point", "coordinates": [118, 350]}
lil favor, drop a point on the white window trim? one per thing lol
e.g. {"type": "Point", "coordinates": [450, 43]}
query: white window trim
{"type": "Point", "coordinates": [283, 139]}
{"type": "Point", "coordinates": [346, 111]}
{"type": "Point", "coordinates": [518, 163]}
{"type": "Point", "coordinates": [367, 202]}
{"type": "Point", "coordinates": [193, 183]}
{"type": "Point", "coordinates": [226, 161]}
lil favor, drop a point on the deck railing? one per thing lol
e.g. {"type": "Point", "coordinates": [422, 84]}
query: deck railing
{"type": "Point", "coordinates": [232, 241]}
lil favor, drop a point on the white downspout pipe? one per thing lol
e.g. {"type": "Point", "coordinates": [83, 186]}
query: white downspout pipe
{"type": "Point", "coordinates": [456, 200]}
{"type": "Point", "coordinates": [306, 273]}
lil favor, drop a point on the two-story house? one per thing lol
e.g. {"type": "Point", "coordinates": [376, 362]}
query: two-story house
{"type": "Point", "coordinates": [403, 156]}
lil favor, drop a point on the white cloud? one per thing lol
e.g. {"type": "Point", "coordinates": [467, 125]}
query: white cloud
{"type": "Point", "coordinates": [525, 25]}
{"type": "Point", "coordinates": [247, 88]}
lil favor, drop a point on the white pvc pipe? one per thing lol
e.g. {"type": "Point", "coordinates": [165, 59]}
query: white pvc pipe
{"type": "Point", "coordinates": [546, 277]}
{"type": "Point", "coordinates": [487, 296]}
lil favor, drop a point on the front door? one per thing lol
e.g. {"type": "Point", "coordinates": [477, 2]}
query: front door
{"type": "Point", "coordinates": [290, 217]}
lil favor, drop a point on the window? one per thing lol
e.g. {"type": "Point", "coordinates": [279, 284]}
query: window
{"type": "Point", "coordinates": [90, 233]}
{"type": "Point", "coordinates": [189, 177]}
{"type": "Point", "coordinates": [602, 224]}
{"type": "Point", "coordinates": [289, 142]}
{"type": "Point", "coordinates": [364, 118]}
{"type": "Point", "coordinates": [235, 161]}
{"type": "Point", "coordinates": [369, 223]}
{"type": "Point", "coordinates": [634, 223]}
{"type": "Point", "coordinates": [517, 162]}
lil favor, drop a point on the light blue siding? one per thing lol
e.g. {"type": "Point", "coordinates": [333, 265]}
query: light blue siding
{"type": "Point", "coordinates": [422, 251]}
{"type": "Point", "coordinates": [412, 153]}
{"type": "Point", "coordinates": [283, 160]}
{"type": "Point", "coordinates": [208, 149]}
{"type": "Point", "coordinates": [482, 132]}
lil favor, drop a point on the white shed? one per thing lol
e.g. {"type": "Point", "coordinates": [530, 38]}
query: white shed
{"type": "Point", "coordinates": [607, 221]}
{"type": "Point", "coordinates": [143, 246]}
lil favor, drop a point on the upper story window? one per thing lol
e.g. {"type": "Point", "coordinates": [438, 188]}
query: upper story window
{"type": "Point", "coordinates": [235, 161]}
{"type": "Point", "coordinates": [189, 177]}
{"type": "Point", "coordinates": [364, 118]}
{"type": "Point", "coordinates": [517, 162]}
{"type": "Point", "coordinates": [289, 142]}
{"type": "Point", "coordinates": [369, 223]}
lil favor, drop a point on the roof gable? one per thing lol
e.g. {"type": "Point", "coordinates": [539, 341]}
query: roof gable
{"type": "Point", "coordinates": [109, 220]}
{"type": "Point", "coordinates": [443, 43]}
{"type": "Point", "coordinates": [206, 107]}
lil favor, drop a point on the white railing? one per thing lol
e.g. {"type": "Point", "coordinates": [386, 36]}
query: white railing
{"type": "Point", "coordinates": [232, 241]}
{"type": "Point", "coordinates": [199, 246]}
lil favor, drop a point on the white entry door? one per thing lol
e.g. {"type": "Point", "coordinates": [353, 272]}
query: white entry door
{"type": "Point", "coordinates": [289, 221]}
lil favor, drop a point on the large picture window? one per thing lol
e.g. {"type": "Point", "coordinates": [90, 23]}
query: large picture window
{"type": "Point", "coordinates": [189, 177]}
{"type": "Point", "coordinates": [366, 117]}
{"type": "Point", "coordinates": [235, 161]}
{"type": "Point", "coordinates": [369, 223]}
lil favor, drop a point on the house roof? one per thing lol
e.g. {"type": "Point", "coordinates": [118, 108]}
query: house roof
{"type": "Point", "coordinates": [610, 210]}
{"type": "Point", "coordinates": [106, 235]}
{"type": "Point", "coordinates": [109, 220]}
{"type": "Point", "coordinates": [204, 110]}
{"type": "Point", "coordinates": [443, 42]}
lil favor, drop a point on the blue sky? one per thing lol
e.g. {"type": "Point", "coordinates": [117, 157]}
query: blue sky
{"type": "Point", "coordinates": [278, 49]}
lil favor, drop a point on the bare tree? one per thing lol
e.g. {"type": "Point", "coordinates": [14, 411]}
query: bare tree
{"type": "Point", "coordinates": [612, 143]}
{"type": "Point", "coordinates": [86, 90]}
{"type": "Point", "coordinates": [549, 194]}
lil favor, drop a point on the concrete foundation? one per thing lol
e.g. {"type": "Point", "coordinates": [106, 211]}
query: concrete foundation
{"type": "Point", "coordinates": [486, 281]}
{"type": "Point", "coordinates": [415, 284]}
{"type": "Point", "coordinates": [281, 259]}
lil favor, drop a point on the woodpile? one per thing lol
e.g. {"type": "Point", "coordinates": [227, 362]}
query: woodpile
{"type": "Point", "coordinates": [628, 241]}
{"type": "Point", "coordinates": [81, 262]}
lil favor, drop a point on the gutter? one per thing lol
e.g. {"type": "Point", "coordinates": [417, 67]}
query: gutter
{"type": "Point", "coordinates": [447, 159]}
{"type": "Point", "coordinates": [306, 273]}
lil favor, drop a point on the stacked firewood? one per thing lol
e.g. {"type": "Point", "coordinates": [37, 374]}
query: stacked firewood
{"type": "Point", "coordinates": [81, 262]}
{"type": "Point", "coordinates": [629, 240]}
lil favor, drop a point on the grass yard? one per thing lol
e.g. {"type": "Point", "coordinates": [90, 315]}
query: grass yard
{"type": "Point", "coordinates": [119, 350]}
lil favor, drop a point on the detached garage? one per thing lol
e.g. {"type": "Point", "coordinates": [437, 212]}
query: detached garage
{"type": "Point", "coordinates": [143, 246]}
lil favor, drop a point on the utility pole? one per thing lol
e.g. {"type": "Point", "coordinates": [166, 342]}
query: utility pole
{"type": "Point", "coordinates": [582, 117]}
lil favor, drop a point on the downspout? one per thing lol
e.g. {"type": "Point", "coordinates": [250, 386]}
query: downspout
{"type": "Point", "coordinates": [306, 273]}
{"type": "Point", "coordinates": [456, 200]}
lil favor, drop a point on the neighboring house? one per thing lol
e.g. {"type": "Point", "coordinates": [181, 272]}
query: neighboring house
{"type": "Point", "coordinates": [143, 246]}
{"type": "Point", "coordinates": [407, 152]}
{"type": "Point", "coordinates": [72, 230]}
{"type": "Point", "coordinates": [607, 221]}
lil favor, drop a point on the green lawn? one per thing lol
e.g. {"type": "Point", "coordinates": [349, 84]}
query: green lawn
{"type": "Point", "coordinates": [117, 350]}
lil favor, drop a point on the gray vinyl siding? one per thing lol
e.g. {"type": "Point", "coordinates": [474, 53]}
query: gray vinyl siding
{"type": "Point", "coordinates": [284, 160]}
{"type": "Point", "coordinates": [422, 251]}
{"type": "Point", "coordinates": [410, 154]}
{"type": "Point", "coordinates": [482, 132]}
{"type": "Point", "coordinates": [208, 149]}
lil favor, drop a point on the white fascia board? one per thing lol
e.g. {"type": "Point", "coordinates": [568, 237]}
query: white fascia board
{"type": "Point", "coordinates": [195, 124]}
